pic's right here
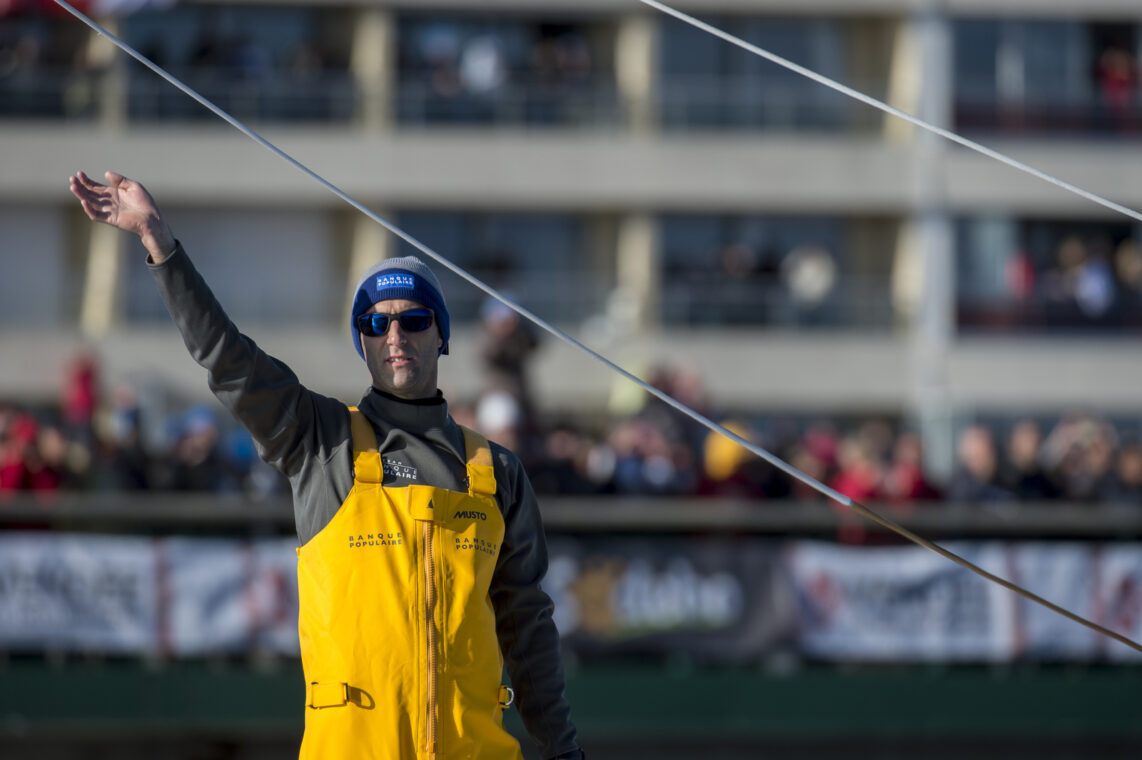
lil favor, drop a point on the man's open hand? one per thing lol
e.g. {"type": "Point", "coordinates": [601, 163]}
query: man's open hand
{"type": "Point", "coordinates": [125, 204]}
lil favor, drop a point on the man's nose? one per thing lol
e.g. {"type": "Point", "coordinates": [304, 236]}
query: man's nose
{"type": "Point", "coordinates": [395, 334]}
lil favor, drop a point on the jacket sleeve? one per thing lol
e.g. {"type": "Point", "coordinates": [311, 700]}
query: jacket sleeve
{"type": "Point", "coordinates": [295, 429]}
{"type": "Point", "coordinates": [527, 633]}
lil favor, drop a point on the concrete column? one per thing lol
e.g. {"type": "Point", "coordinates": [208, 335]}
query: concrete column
{"type": "Point", "coordinates": [369, 243]}
{"type": "Point", "coordinates": [636, 69]}
{"type": "Point", "coordinates": [111, 88]}
{"type": "Point", "coordinates": [373, 61]}
{"type": "Point", "coordinates": [925, 258]}
{"type": "Point", "coordinates": [101, 303]}
{"type": "Point", "coordinates": [639, 269]}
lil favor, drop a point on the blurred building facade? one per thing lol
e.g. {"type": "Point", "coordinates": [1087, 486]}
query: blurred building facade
{"type": "Point", "coordinates": [661, 194]}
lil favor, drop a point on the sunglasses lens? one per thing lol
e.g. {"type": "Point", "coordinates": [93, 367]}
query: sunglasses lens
{"type": "Point", "coordinates": [416, 320]}
{"type": "Point", "coordinates": [373, 324]}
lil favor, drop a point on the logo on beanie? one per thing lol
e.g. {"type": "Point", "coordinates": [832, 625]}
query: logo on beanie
{"type": "Point", "coordinates": [395, 281]}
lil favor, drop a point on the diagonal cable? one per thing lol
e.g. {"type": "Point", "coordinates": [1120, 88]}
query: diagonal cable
{"type": "Point", "coordinates": [563, 336]}
{"type": "Point", "coordinates": [871, 101]}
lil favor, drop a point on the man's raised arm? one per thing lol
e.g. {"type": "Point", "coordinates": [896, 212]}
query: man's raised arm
{"type": "Point", "coordinates": [125, 204]}
{"type": "Point", "coordinates": [295, 429]}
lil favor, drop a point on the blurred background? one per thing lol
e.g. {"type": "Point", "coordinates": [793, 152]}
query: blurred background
{"type": "Point", "coordinates": [921, 328]}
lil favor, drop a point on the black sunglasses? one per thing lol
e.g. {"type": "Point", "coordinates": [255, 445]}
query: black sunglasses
{"type": "Point", "coordinates": [413, 320]}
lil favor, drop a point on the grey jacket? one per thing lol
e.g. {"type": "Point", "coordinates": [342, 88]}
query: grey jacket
{"type": "Point", "coordinates": [306, 436]}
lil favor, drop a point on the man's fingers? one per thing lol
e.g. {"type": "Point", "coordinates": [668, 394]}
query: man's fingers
{"type": "Point", "coordinates": [93, 213]}
{"type": "Point", "coordinates": [114, 178]}
{"type": "Point", "coordinates": [86, 193]}
{"type": "Point", "coordinates": [88, 181]}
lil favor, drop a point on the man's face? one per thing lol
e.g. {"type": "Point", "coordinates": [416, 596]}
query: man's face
{"type": "Point", "coordinates": [402, 363]}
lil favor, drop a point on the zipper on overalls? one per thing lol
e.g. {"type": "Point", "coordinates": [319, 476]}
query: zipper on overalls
{"type": "Point", "coordinates": [431, 709]}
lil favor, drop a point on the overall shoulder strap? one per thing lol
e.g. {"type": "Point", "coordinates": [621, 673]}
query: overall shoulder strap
{"type": "Point", "coordinates": [366, 459]}
{"type": "Point", "coordinates": [481, 473]}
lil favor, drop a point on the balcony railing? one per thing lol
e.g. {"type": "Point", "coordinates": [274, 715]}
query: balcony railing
{"type": "Point", "coordinates": [49, 93]}
{"type": "Point", "coordinates": [1061, 115]}
{"type": "Point", "coordinates": [744, 103]}
{"type": "Point", "coordinates": [527, 101]}
{"type": "Point", "coordinates": [329, 96]}
{"type": "Point", "coordinates": [717, 299]}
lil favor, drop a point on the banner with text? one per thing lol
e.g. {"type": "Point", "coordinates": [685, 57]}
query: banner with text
{"type": "Point", "coordinates": [724, 599]}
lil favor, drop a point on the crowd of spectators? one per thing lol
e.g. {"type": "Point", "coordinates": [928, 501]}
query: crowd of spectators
{"type": "Point", "coordinates": [92, 441]}
{"type": "Point", "coordinates": [535, 72]}
{"type": "Point", "coordinates": [1079, 276]}
{"type": "Point", "coordinates": [114, 441]}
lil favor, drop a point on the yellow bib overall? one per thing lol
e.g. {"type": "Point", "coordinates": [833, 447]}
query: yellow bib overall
{"type": "Point", "coordinates": [398, 638]}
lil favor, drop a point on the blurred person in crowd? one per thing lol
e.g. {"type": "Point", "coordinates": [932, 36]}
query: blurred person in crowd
{"type": "Point", "coordinates": [500, 418]}
{"type": "Point", "coordinates": [976, 479]}
{"type": "Point", "coordinates": [645, 460]}
{"type": "Point", "coordinates": [809, 274]}
{"type": "Point", "coordinates": [408, 488]}
{"type": "Point", "coordinates": [687, 388]}
{"type": "Point", "coordinates": [439, 48]}
{"type": "Point", "coordinates": [1023, 473]}
{"type": "Point", "coordinates": [195, 461]}
{"type": "Point", "coordinates": [860, 471]}
{"type": "Point", "coordinates": [904, 480]}
{"type": "Point", "coordinates": [1095, 289]}
{"type": "Point", "coordinates": [859, 475]}
{"type": "Point", "coordinates": [566, 466]}
{"type": "Point", "coordinates": [1060, 282]}
{"type": "Point", "coordinates": [730, 470]}
{"type": "Point", "coordinates": [80, 396]}
{"type": "Point", "coordinates": [507, 345]}
{"type": "Point", "coordinates": [560, 66]}
{"type": "Point", "coordinates": [1019, 276]}
{"type": "Point", "coordinates": [804, 458]}
{"type": "Point", "coordinates": [815, 454]}
{"type": "Point", "coordinates": [122, 461]}
{"type": "Point", "coordinates": [1079, 453]}
{"type": "Point", "coordinates": [1118, 82]}
{"type": "Point", "coordinates": [1128, 272]}
{"type": "Point", "coordinates": [32, 457]}
{"type": "Point", "coordinates": [1126, 485]}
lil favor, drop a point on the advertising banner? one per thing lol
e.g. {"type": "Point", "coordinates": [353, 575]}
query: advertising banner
{"type": "Point", "coordinates": [231, 596]}
{"type": "Point", "coordinates": [1119, 598]}
{"type": "Point", "coordinates": [706, 598]}
{"type": "Point", "coordinates": [1064, 574]}
{"type": "Point", "coordinates": [77, 593]}
{"type": "Point", "coordinates": [901, 603]}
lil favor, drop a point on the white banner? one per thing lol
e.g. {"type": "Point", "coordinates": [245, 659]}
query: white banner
{"type": "Point", "coordinates": [901, 603]}
{"type": "Point", "coordinates": [231, 596]}
{"type": "Point", "coordinates": [1119, 598]}
{"type": "Point", "coordinates": [201, 596]}
{"type": "Point", "coordinates": [77, 592]}
{"type": "Point", "coordinates": [1065, 574]}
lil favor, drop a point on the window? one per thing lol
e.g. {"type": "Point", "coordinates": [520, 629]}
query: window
{"type": "Point", "coordinates": [539, 260]}
{"type": "Point", "coordinates": [36, 285]}
{"type": "Point", "coordinates": [265, 267]}
{"type": "Point", "coordinates": [1034, 274]}
{"type": "Point", "coordinates": [1062, 77]}
{"type": "Point", "coordinates": [707, 83]}
{"type": "Point", "coordinates": [43, 72]}
{"type": "Point", "coordinates": [257, 63]}
{"type": "Point", "coordinates": [787, 271]}
{"type": "Point", "coordinates": [524, 71]}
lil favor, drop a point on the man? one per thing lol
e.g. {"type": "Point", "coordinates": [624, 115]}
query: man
{"type": "Point", "coordinates": [421, 545]}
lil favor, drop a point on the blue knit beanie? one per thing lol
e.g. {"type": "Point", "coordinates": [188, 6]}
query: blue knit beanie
{"type": "Point", "coordinates": [407, 277]}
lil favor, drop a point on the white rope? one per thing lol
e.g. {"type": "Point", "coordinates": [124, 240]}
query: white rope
{"type": "Point", "coordinates": [868, 100]}
{"type": "Point", "coordinates": [561, 335]}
